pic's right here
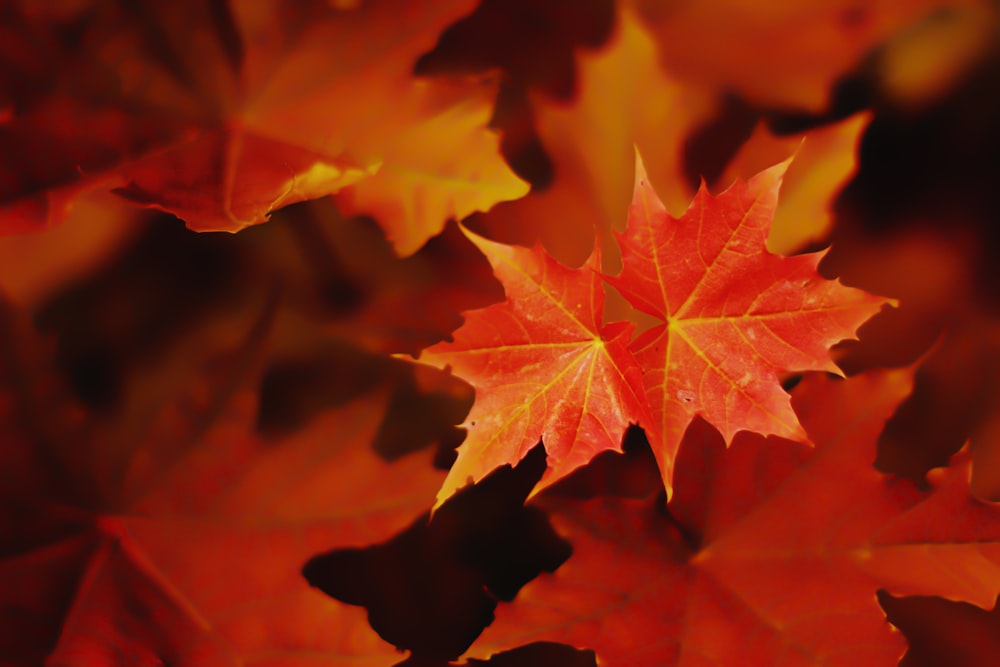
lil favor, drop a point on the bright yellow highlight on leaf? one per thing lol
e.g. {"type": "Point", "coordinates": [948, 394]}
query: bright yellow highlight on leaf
{"type": "Point", "coordinates": [446, 165]}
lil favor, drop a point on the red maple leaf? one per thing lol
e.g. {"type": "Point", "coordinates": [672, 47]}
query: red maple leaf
{"type": "Point", "coordinates": [178, 537]}
{"type": "Point", "coordinates": [543, 366]}
{"type": "Point", "coordinates": [734, 315]}
{"type": "Point", "coordinates": [769, 552]}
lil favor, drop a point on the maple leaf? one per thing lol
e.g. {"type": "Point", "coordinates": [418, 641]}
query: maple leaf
{"type": "Point", "coordinates": [825, 160]}
{"type": "Point", "coordinates": [443, 166]}
{"type": "Point", "coordinates": [177, 535]}
{"type": "Point", "coordinates": [732, 315]}
{"type": "Point", "coordinates": [535, 46]}
{"type": "Point", "coordinates": [623, 100]}
{"type": "Point", "coordinates": [223, 115]}
{"type": "Point", "coordinates": [769, 552]}
{"type": "Point", "coordinates": [543, 367]}
{"type": "Point", "coordinates": [820, 42]}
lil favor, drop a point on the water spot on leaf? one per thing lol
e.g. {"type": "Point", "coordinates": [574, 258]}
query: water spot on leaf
{"type": "Point", "coordinates": [685, 395]}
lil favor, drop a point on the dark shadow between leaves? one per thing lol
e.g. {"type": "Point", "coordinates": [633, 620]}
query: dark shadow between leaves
{"type": "Point", "coordinates": [954, 391]}
{"type": "Point", "coordinates": [130, 311]}
{"type": "Point", "coordinates": [534, 44]}
{"type": "Point", "coordinates": [433, 588]}
{"type": "Point", "coordinates": [533, 41]}
{"type": "Point", "coordinates": [943, 632]}
{"type": "Point", "coordinates": [295, 390]}
{"type": "Point", "coordinates": [333, 293]}
{"type": "Point", "coordinates": [710, 148]}
{"type": "Point", "coordinates": [536, 654]}
{"type": "Point", "coordinates": [930, 167]}
{"type": "Point", "coordinates": [630, 474]}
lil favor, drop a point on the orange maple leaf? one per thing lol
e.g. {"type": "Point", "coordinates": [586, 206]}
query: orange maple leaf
{"type": "Point", "coordinates": [623, 100]}
{"type": "Point", "coordinates": [820, 42]}
{"type": "Point", "coordinates": [222, 116]}
{"type": "Point", "coordinates": [825, 160]}
{"type": "Point", "coordinates": [770, 552]}
{"type": "Point", "coordinates": [444, 165]}
{"type": "Point", "coordinates": [733, 315]}
{"type": "Point", "coordinates": [543, 367]}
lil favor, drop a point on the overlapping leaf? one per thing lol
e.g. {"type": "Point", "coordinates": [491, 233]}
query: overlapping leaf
{"type": "Point", "coordinates": [825, 159]}
{"type": "Point", "coordinates": [820, 42]}
{"type": "Point", "coordinates": [443, 166]}
{"type": "Point", "coordinates": [768, 553]}
{"type": "Point", "coordinates": [543, 367]}
{"type": "Point", "coordinates": [733, 315]}
{"type": "Point", "coordinates": [166, 520]}
{"type": "Point", "coordinates": [177, 536]}
{"type": "Point", "coordinates": [220, 114]}
{"type": "Point", "coordinates": [623, 99]}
